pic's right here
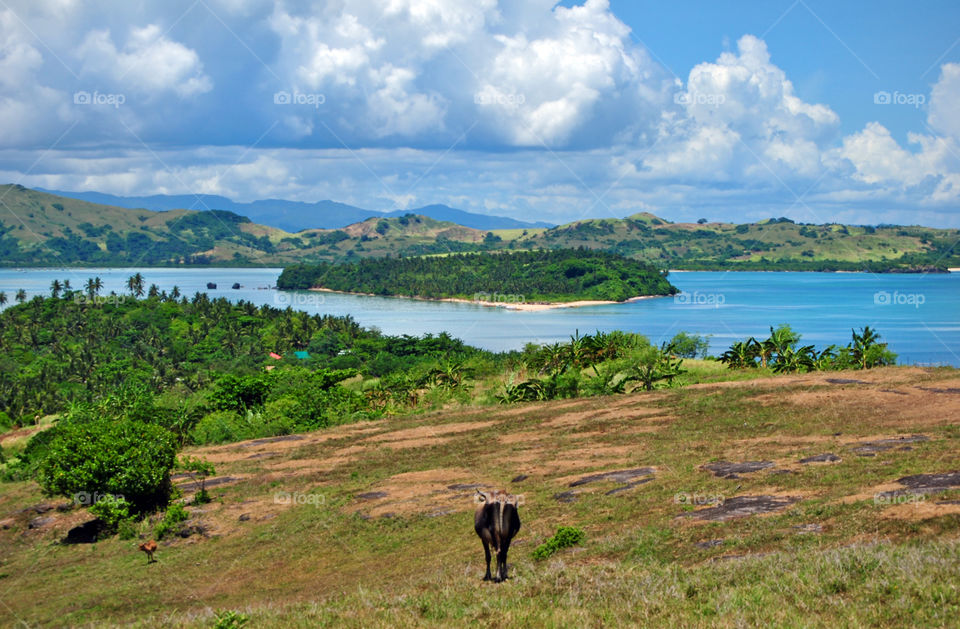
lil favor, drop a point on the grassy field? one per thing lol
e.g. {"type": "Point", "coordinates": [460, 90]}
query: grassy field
{"type": "Point", "coordinates": [371, 524]}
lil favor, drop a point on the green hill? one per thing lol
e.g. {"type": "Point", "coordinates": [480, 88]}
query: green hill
{"type": "Point", "coordinates": [40, 229]}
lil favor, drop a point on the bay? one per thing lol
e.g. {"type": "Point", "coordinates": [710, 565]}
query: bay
{"type": "Point", "coordinates": [918, 315]}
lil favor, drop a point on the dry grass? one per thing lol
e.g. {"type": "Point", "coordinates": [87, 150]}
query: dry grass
{"type": "Point", "coordinates": [406, 554]}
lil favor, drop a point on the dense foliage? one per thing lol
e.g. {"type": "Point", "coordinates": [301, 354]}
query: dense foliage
{"type": "Point", "coordinates": [559, 275]}
{"type": "Point", "coordinates": [77, 347]}
{"type": "Point", "coordinates": [782, 352]}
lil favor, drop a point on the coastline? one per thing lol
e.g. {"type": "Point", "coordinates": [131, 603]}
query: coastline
{"type": "Point", "coordinates": [520, 307]}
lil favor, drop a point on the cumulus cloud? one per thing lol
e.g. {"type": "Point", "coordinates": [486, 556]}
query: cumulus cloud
{"type": "Point", "coordinates": [932, 171]}
{"type": "Point", "coordinates": [149, 62]}
{"type": "Point", "coordinates": [394, 103]}
{"type": "Point", "coordinates": [435, 70]}
{"type": "Point", "coordinates": [740, 118]}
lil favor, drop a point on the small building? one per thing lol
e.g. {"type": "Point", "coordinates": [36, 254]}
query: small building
{"type": "Point", "coordinates": [302, 355]}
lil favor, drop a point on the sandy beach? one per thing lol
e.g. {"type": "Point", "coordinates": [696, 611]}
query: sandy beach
{"type": "Point", "coordinates": [518, 306]}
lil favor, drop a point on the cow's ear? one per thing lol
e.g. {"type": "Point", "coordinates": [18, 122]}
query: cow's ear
{"type": "Point", "coordinates": [481, 497]}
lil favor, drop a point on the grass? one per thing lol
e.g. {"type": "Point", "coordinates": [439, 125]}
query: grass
{"type": "Point", "coordinates": [337, 561]}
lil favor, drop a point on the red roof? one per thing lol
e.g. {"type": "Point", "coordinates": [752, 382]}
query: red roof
{"type": "Point", "coordinates": [275, 356]}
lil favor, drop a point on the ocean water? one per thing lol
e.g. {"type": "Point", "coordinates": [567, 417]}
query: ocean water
{"type": "Point", "coordinates": [918, 315]}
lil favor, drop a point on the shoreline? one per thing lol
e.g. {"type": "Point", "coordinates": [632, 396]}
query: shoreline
{"type": "Point", "coordinates": [519, 307]}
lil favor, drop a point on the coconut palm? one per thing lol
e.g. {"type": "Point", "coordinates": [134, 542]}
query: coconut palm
{"type": "Point", "coordinates": [135, 284]}
{"type": "Point", "coordinates": [21, 296]}
{"type": "Point", "coordinates": [3, 298]}
{"type": "Point", "coordinates": [55, 288]}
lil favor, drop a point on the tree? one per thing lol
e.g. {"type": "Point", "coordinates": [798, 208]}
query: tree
{"type": "Point", "coordinates": [3, 298]}
{"type": "Point", "coordinates": [867, 350]}
{"type": "Point", "coordinates": [21, 296]}
{"type": "Point", "coordinates": [124, 458]}
{"type": "Point", "coordinates": [135, 285]}
{"type": "Point", "coordinates": [702, 221]}
{"type": "Point", "coordinates": [55, 288]}
{"type": "Point", "coordinates": [741, 355]}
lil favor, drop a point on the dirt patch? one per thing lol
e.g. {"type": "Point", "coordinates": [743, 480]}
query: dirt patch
{"type": "Point", "coordinates": [260, 442]}
{"type": "Point", "coordinates": [209, 483]}
{"type": "Point", "coordinates": [726, 469]}
{"type": "Point", "coordinates": [425, 492]}
{"type": "Point", "coordinates": [918, 511]}
{"type": "Point", "coordinates": [846, 381]}
{"type": "Point", "coordinates": [426, 433]}
{"type": "Point", "coordinates": [742, 506]}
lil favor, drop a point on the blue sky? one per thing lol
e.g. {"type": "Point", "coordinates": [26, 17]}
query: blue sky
{"type": "Point", "coordinates": [821, 111]}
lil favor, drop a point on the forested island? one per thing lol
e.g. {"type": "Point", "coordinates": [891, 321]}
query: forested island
{"type": "Point", "coordinates": [553, 276]}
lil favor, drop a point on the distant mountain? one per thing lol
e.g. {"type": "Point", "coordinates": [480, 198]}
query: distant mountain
{"type": "Point", "coordinates": [295, 216]}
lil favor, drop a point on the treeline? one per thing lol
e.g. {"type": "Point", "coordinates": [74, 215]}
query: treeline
{"type": "Point", "coordinates": [77, 346]}
{"type": "Point", "coordinates": [545, 275]}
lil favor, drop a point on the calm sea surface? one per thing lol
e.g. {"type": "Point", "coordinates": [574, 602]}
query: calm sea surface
{"type": "Point", "coordinates": [919, 315]}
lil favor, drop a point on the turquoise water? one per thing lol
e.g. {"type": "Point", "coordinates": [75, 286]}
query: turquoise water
{"type": "Point", "coordinates": [919, 315]}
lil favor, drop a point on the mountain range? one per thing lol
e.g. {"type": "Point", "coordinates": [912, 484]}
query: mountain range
{"type": "Point", "coordinates": [294, 216]}
{"type": "Point", "coordinates": [42, 229]}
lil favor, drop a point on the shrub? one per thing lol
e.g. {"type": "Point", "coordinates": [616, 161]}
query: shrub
{"type": "Point", "coordinates": [566, 536]}
{"type": "Point", "coordinates": [113, 511]}
{"type": "Point", "coordinates": [174, 516]}
{"type": "Point", "coordinates": [127, 458]}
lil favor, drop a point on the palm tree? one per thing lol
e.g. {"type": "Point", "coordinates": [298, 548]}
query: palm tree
{"type": "Point", "coordinates": [3, 298]}
{"type": "Point", "coordinates": [21, 296]}
{"type": "Point", "coordinates": [55, 288]}
{"type": "Point", "coordinates": [135, 284]}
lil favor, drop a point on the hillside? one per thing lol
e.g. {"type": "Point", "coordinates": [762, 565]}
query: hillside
{"type": "Point", "coordinates": [40, 229]}
{"type": "Point", "coordinates": [371, 524]}
{"type": "Point", "coordinates": [775, 244]}
{"type": "Point", "coordinates": [294, 216]}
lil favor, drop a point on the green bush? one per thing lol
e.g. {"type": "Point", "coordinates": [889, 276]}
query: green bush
{"type": "Point", "coordinates": [566, 536]}
{"type": "Point", "coordinates": [171, 519]}
{"type": "Point", "coordinates": [127, 458]}
{"type": "Point", "coordinates": [113, 511]}
{"type": "Point", "coordinates": [229, 619]}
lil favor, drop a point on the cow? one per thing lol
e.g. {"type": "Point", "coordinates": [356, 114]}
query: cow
{"type": "Point", "coordinates": [496, 521]}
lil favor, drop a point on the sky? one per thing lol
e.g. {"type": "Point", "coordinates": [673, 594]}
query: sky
{"type": "Point", "coordinates": [537, 109]}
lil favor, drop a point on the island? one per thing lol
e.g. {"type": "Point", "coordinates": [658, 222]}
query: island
{"type": "Point", "coordinates": [521, 280]}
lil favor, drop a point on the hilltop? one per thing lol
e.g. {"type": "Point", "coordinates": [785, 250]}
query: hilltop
{"type": "Point", "coordinates": [40, 229]}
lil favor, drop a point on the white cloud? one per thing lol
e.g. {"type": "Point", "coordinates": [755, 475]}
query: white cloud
{"type": "Point", "coordinates": [149, 62]}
